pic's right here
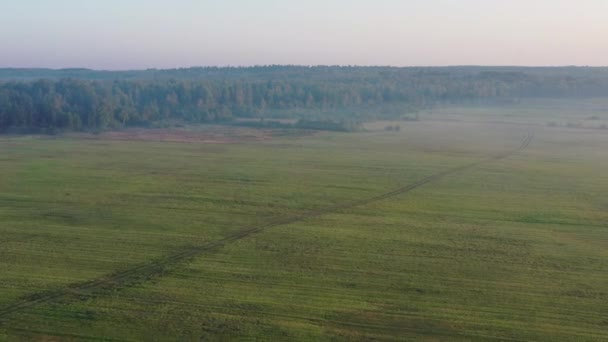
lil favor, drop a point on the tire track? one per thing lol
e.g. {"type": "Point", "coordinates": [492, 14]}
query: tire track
{"type": "Point", "coordinates": [159, 267]}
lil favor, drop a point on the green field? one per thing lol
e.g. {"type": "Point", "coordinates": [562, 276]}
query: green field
{"type": "Point", "coordinates": [302, 238]}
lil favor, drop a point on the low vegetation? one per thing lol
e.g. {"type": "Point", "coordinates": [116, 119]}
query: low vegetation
{"type": "Point", "coordinates": [307, 237]}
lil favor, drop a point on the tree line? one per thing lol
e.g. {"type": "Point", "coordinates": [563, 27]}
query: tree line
{"type": "Point", "coordinates": [98, 101]}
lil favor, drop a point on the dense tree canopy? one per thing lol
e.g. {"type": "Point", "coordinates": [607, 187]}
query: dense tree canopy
{"type": "Point", "coordinates": [80, 99]}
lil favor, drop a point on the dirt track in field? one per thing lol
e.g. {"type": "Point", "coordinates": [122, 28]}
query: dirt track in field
{"type": "Point", "coordinates": [159, 267]}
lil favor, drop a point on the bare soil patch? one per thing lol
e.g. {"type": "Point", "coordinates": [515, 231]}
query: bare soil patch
{"type": "Point", "coordinates": [202, 135]}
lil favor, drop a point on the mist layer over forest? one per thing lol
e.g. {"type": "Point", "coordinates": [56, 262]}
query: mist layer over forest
{"type": "Point", "coordinates": [48, 100]}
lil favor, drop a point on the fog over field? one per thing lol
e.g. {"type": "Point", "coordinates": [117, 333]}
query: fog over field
{"type": "Point", "coordinates": [319, 171]}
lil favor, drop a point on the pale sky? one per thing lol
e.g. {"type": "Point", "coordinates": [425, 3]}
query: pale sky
{"type": "Point", "coordinates": [138, 34]}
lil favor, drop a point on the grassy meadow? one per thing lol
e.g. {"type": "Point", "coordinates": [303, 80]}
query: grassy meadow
{"type": "Point", "coordinates": [511, 249]}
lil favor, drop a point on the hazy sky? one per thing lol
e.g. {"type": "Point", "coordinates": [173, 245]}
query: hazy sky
{"type": "Point", "coordinates": [122, 34]}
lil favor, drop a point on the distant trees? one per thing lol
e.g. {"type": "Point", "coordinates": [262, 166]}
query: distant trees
{"type": "Point", "coordinates": [323, 96]}
{"type": "Point", "coordinates": [328, 125]}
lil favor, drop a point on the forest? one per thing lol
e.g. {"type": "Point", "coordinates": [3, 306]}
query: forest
{"type": "Point", "coordinates": [45, 100]}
